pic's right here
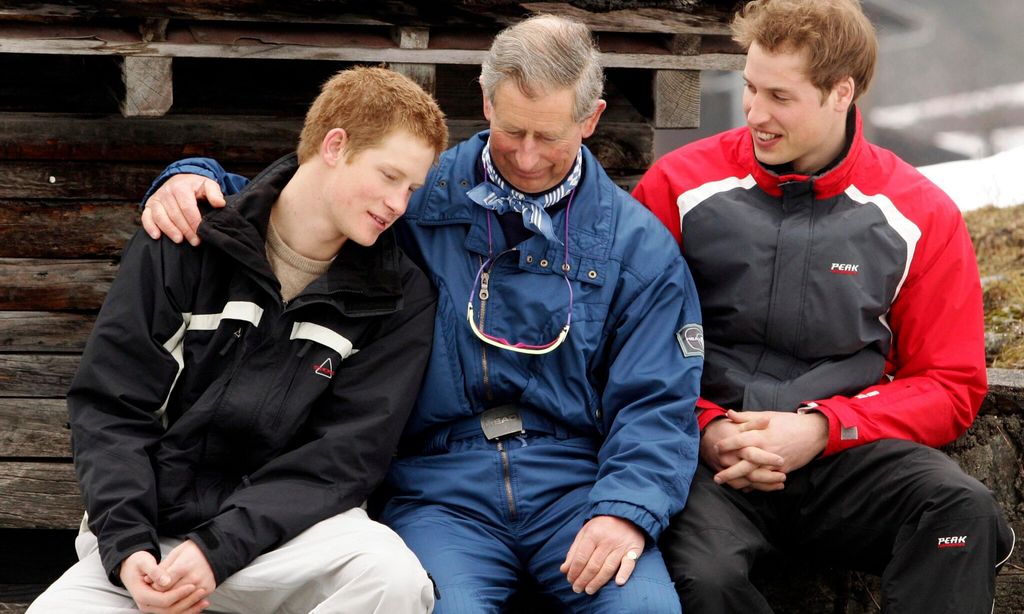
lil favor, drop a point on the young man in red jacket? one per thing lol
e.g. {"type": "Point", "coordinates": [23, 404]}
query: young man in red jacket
{"type": "Point", "coordinates": [843, 334]}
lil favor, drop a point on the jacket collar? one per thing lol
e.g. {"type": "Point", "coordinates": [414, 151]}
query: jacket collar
{"type": "Point", "coordinates": [370, 275]}
{"type": "Point", "coordinates": [833, 181]}
{"type": "Point", "coordinates": [458, 170]}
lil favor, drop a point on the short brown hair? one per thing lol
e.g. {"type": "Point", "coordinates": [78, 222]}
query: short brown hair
{"type": "Point", "coordinates": [545, 53]}
{"type": "Point", "coordinates": [837, 35]}
{"type": "Point", "coordinates": [369, 104]}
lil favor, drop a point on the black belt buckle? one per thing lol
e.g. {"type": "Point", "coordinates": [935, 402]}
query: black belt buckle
{"type": "Point", "coordinates": [501, 421]}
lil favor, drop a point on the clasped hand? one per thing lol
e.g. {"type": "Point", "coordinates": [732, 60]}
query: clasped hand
{"type": "Point", "coordinates": [177, 585]}
{"type": "Point", "coordinates": [754, 450]}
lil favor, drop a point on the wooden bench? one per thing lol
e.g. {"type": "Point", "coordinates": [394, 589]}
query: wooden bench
{"type": "Point", "coordinates": [40, 507]}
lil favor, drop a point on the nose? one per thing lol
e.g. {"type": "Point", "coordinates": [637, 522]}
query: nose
{"type": "Point", "coordinates": [397, 201]}
{"type": "Point", "coordinates": [754, 110]}
{"type": "Point", "coordinates": [527, 154]}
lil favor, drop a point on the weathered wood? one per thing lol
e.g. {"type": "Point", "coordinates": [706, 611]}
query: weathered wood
{"type": "Point", "coordinates": [39, 495]}
{"type": "Point", "coordinates": [228, 138]}
{"type": "Point", "coordinates": [34, 428]}
{"type": "Point", "coordinates": [623, 146]}
{"type": "Point", "coordinates": [55, 179]}
{"type": "Point", "coordinates": [651, 19]}
{"type": "Point", "coordinates": [148, 85]}
{"type": "Point", "coordinates": [677, 93]}
{"type": "Point", "coordinates": [34, 284]}
{"type": "Point", "coordinates": [44, 331]}
{"type": "Point", "coordinates": [677, 99]}
{"type": "Point", "coordinates": [423, 74]}
{"type": "Point", "coordinates": [329, 46]}
{"type": "Point", "coordinates": [700, 15]}
{"type": "Point", "coordinates": [34, 229]}
{"type": "Point", "coordinates": [37, 375]}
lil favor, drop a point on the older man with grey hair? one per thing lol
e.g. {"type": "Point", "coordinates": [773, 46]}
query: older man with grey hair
{"type": "Point", "coordinates": [554, 434]}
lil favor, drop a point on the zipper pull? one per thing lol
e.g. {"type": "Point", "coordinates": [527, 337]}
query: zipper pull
{"type": "Point", "coordinates": [485, 277]}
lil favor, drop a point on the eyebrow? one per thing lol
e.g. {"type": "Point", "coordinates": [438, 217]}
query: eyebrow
{"type": "Point", "coordinates": [776, 90]}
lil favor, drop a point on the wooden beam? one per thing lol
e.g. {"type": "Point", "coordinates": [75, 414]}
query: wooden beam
{"type": "Point", "coordinates": [96, 41]}
{"type": "Point", "coordinates": [45, 285]}
{"type": "Point", "coordinates": [39, 496]}
{"type": "Point", "coordinates": [34, 428]}
{"type": "Point", "coordinates": [423, 74]}
{"type": "Point", "coordinates": [37, 375]}
{"type": "Point", "coordinates": [670, 20]}
{"type": "Point", "coordinates": [36, 229]}
{"type": "Point", "coordinates": [677, 92]}
{"type": "Point", "coordinates": [149, 91]}
{"type": "Point", "coordinates": [228, 138]}
{"type": "Point", "coordinates": [82, 180]}
{"type": "Point", "coordinates": [44, 331]}
{"type": "Point", "coordinates": [664, 15]}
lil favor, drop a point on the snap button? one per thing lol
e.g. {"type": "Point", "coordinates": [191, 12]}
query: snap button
{"type": "Point", "coordinates": [529, 259]}
{"type": "Point", "coordinates": [442, 183]}
{"type": "Point", "coordinates": [566, 267]}
{"type": "Point", "coordinates": [464, 183]}
{"type": "Point", "coordinates": [592, 274]}
{"type": "Point", "coordinates": [544, 262]}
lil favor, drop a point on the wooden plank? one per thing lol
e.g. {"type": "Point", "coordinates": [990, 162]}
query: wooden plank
{"type": "Point", "coordinates": [393, 12]}
{"type": "Point", "coordinates": [39, 496]}
{"type": "Point", "coordinates": [43, 285]}
{"type": "Point", "coordinates": [44, 331]}
{"type": "Point", "coordinates": [148, 86]}
{"type": "Point", "coordinates": [34, 428]}
{"type": "Point", "coordinates": [36, 229]}
{"type": "Point", "coordinates": [61, 136]}
{"type": "Point", "coordinates": [37, 375]}
{"type": "Point", "coordinates": [99, 180]}
{"type": "Point", "coordinates": [697, 20]}
{"type": "Point", "coordinates": [92, 43]}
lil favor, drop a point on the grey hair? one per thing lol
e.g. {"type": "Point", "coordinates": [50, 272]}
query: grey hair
{"type": "Point", "coordinates": [544, 53]}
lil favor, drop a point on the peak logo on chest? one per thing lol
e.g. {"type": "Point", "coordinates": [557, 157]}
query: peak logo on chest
{"type": "Point", "coordinates": [844, 268]}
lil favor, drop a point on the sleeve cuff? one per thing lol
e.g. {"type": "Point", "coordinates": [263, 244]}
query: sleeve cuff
{"type": "Point", "coordinates": [705, 417]}
{"type": "Point", "coordinates": [648, 522]}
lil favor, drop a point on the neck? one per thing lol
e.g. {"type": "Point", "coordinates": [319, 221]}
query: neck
{"type": "Point", "coordinates": [301, 217]}
{"type": "Point", "coordinates": [832, 148]}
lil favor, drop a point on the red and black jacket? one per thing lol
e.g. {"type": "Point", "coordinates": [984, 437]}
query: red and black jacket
{"type": "Point", "coordinates": [855, 290]}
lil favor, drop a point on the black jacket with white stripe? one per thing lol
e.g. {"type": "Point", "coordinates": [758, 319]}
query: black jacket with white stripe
{"type": "Point", "coordinates": [207, 408]}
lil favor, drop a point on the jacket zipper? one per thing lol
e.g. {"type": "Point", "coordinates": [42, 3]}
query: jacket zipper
{"type": "Point", "coordinates": [506, 469]}
{"type": "Point", "coordinates": [485, 278]}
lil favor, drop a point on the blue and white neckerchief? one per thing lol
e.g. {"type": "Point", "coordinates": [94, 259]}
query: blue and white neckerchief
{"type": "Point", "coordinates": [495, 194]}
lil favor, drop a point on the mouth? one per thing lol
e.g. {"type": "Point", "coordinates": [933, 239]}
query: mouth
{"type": "Point", "coordinates": [381, 222]}
{"type": "Point", "coordinates": [764, 138]}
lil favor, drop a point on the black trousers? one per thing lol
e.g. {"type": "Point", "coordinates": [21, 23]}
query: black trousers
{"type": "Point", "coordinates": [894, 508]}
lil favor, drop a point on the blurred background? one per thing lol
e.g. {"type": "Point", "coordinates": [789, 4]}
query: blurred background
{"type": "Point", "coordinates": [949, 87]}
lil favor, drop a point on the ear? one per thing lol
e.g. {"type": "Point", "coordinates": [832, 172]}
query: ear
{"type": "Point", "coordinates": [844, 92]}
{"type": "Point", "coordinates": [332, 148]}
{"type": "Point", "coordinates": [590, 122]}
{"type": "Point", "coordinates": [488, 109]}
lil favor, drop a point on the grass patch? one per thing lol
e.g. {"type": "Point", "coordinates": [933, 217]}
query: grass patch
{"type": "Point", "coordinates": [998, 236]}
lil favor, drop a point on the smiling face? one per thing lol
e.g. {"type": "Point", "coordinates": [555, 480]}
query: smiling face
{"type": "Point", "coordinates": [788, 118]}
{"type": "Point", "coordinates": [367, 192]}
{"type": "Point", "coordinates": [534, 141]}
